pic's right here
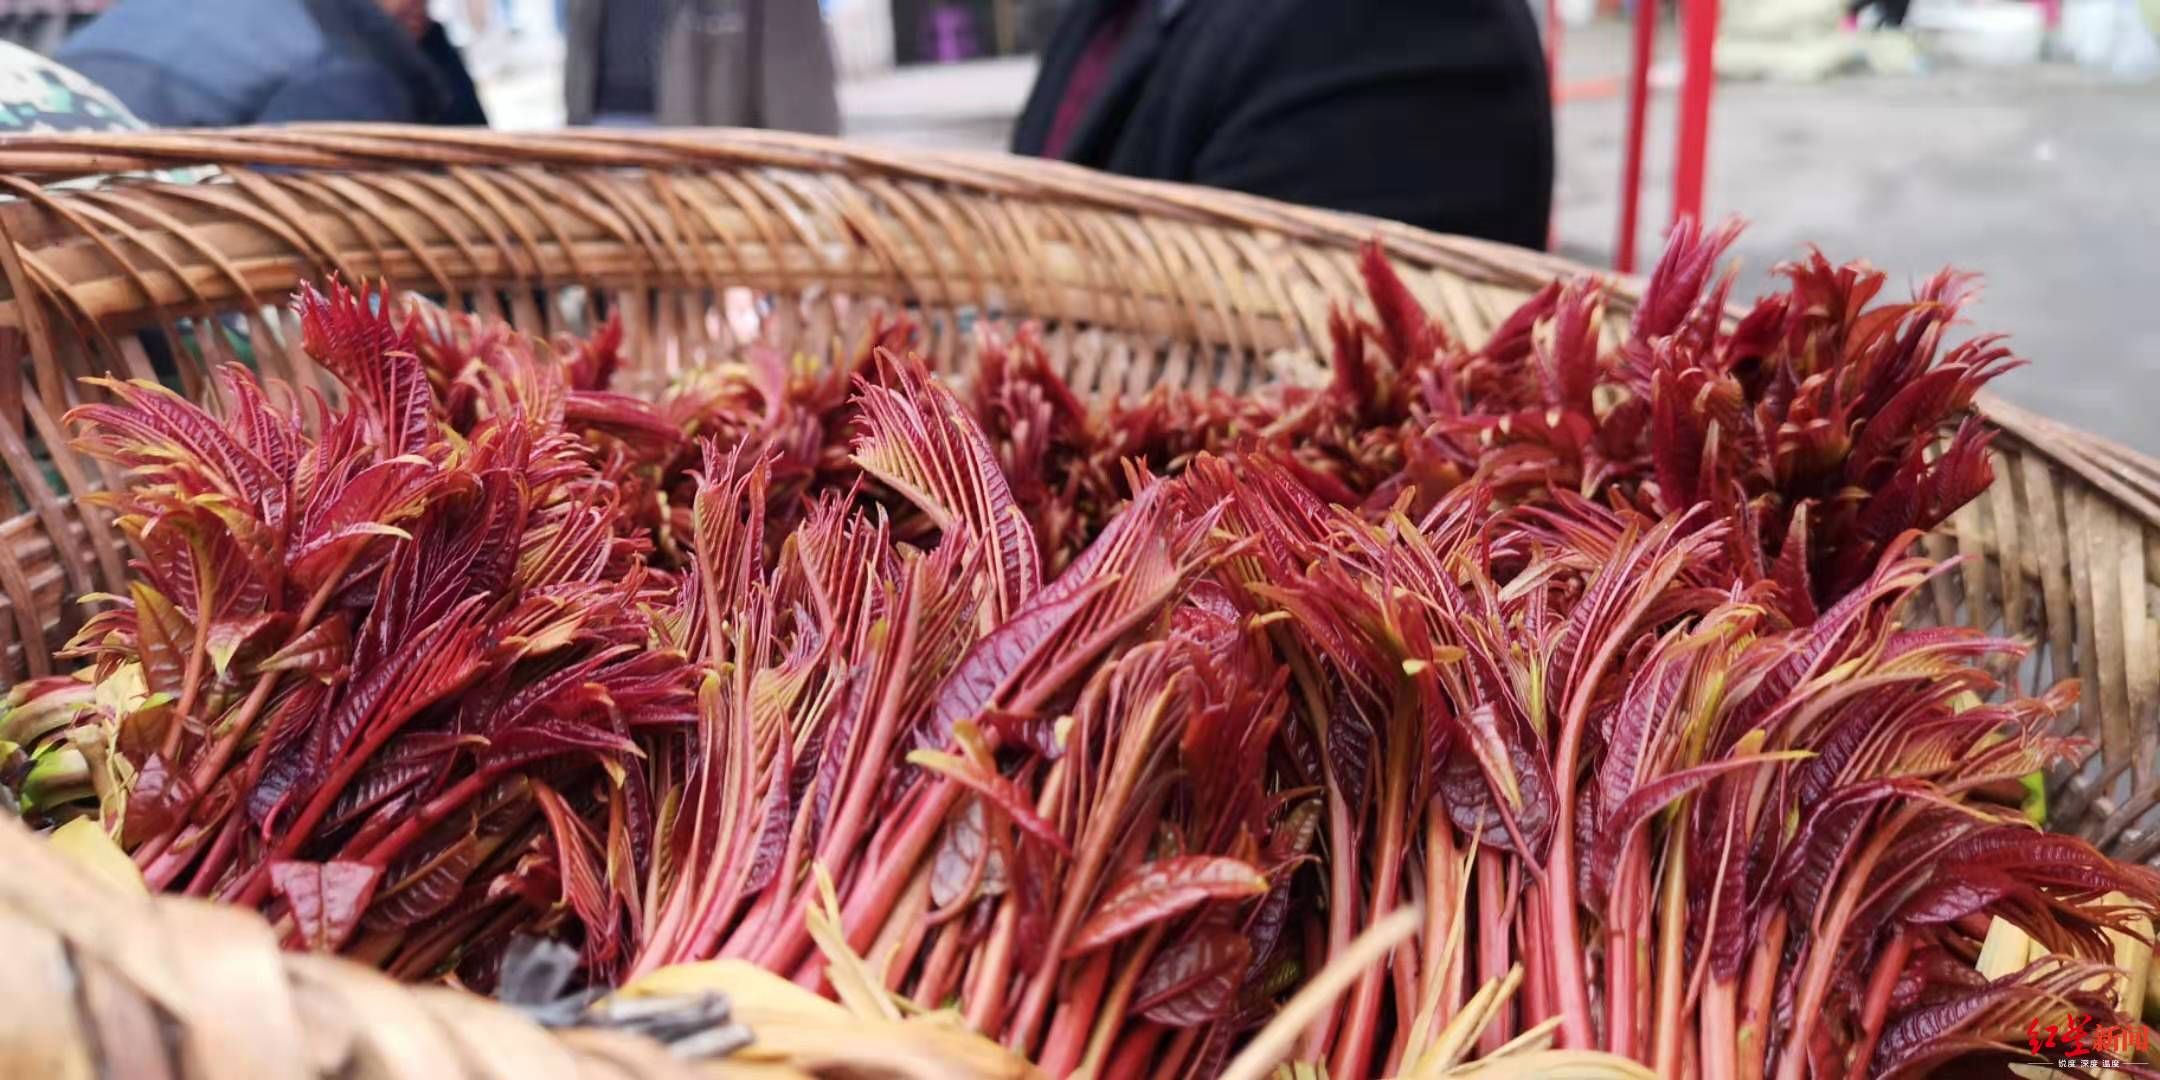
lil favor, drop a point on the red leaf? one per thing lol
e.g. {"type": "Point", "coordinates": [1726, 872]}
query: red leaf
{"type": "Point", "coordinates": [1407, 335]}
{"type": "Point", "coordinates": [966, 865]}
{"type": "Point", "coordinates": [1474, 782]}
{"type": "Point", "coordinates": [1644, 713]}
{"type": "Point", "coordinates": [371, 504]}
{"type": "Point", "coordinates": [1790, 570]}
{"type": "Point", "coordinates": [163, 635]}
{"type": "Point", "coordinates": [1119, 581]}
{"type": "Point", "coordinates": [1570, 362]}
{"type": "Point", "coordinates": [1194, 981]}
{"type": "Point", "coordinates": [584, 886]}
{"type": "Point", "coordinates": [1001, 792]}
{"type": "Point", "coordinates": [233, 641]}
{"type": "Point", "coordinates": [1660, 793]}
{"type": "Point", "coordinates": [154, 800]}
{"type": "Point", "coordinates": [374, 357]}
{"type": "Point", "coordinates": [1165, 889]}
{"type": "Point", "coordinates": [327, 899]}
{"type": "Point", "coordinates": [618, 413]}
{"type": "Point", "coordinates": [321, 652]}
{"type": "Point", "coordinates": [772, 836]}
{"type": "Point", "coordinates": [1691, 256]}
{"type": "Point", "coordinates": [919, 440]}
{"type": "Point", "coordinates": [989, 666]}
{"type": "Point", "coordinates": [154, 429]}
{"type": "Point", "coordinates": [427, 889]}
{"type": "Point", "coordinates": [550, 738]}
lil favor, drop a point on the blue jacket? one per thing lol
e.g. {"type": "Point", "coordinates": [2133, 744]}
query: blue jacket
{"type": "Point", "coordinates": [214, 63]}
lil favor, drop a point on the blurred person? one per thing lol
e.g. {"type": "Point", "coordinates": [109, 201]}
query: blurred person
{"type": "Point", "coordinates": [702, 63]}
{"type": "Point", "coordinates": [40, 95]}
{"type": "Point", "coordinates": [1432, 112]}
{"type": "Point", "coordinates": [214, 63]}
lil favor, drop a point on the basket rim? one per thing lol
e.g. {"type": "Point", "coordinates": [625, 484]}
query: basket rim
{"type": "Point", "coordinates": [43, 159]}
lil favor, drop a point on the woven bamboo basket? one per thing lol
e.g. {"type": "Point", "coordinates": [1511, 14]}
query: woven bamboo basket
{"type": "Point", "coordinates": [1136, 283]}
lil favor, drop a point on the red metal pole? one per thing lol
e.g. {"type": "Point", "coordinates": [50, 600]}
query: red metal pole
{"type": "Point", "coordinates": [1552, 95]}
{"type": "Point", "coordinates": [1553, 32]}
{"type": "Point", "coordinates": [1696, 80]}
{"type": "Point", "coordinates": [1638, 102]}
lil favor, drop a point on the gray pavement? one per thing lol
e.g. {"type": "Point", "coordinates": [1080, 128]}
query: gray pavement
{"type": "Point", "coordinates": [2045, 182]}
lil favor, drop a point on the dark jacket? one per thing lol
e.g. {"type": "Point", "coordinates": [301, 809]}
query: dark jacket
{"type": "Point", "coordinates": [1432, 112]}
{"type": "Point", "coordinates": [733, 63]}
{"type": "Point", "coordinates": [213, 63]}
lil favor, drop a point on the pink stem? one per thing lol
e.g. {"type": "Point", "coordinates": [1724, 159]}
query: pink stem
{"type": "Point", "coordinates": [190, 687]}
{"type": "Point", "coordinates": [1130, 1062]}
{"type": "Point", "coordinates": [1353, 1052]}
{"type": "Point", "coordinates": [940, 971]}
{"type": "Point", "coordinates": [1493, 952]}
{"type": "Point", "coordinates": [985, 1003]}
{"type": "Point", "coordinates": [1877, 1003]}
{"type": "Point", "coordinates": [1110, 1018]}
{"type": "Point", "coordinates": [1828, 936]}
{"type": "Point", "coordinates": [1672, 941]}
{"type": "Point", "coordinates": [1538, 949]}
{"type": "Point", "coordinates": [1069, 1031]}
{"type": "Point", "coordinates": [1720, 1034]}
{"type": "Point", "coordinates": [1342, 910]}
{"type": "Point", "coordinates": [221, 853]}
{"type": "Point", "coordinates": [868, 905]}
{"type": "Point", "coordinates": [1181, 1047]}
{"type": "Point", "coordinates": [1626, 931]}
{"type": "Point", "coordinates": [1756, 1017]}
{"type": "Point", "coordinates": [1576, 1028]}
